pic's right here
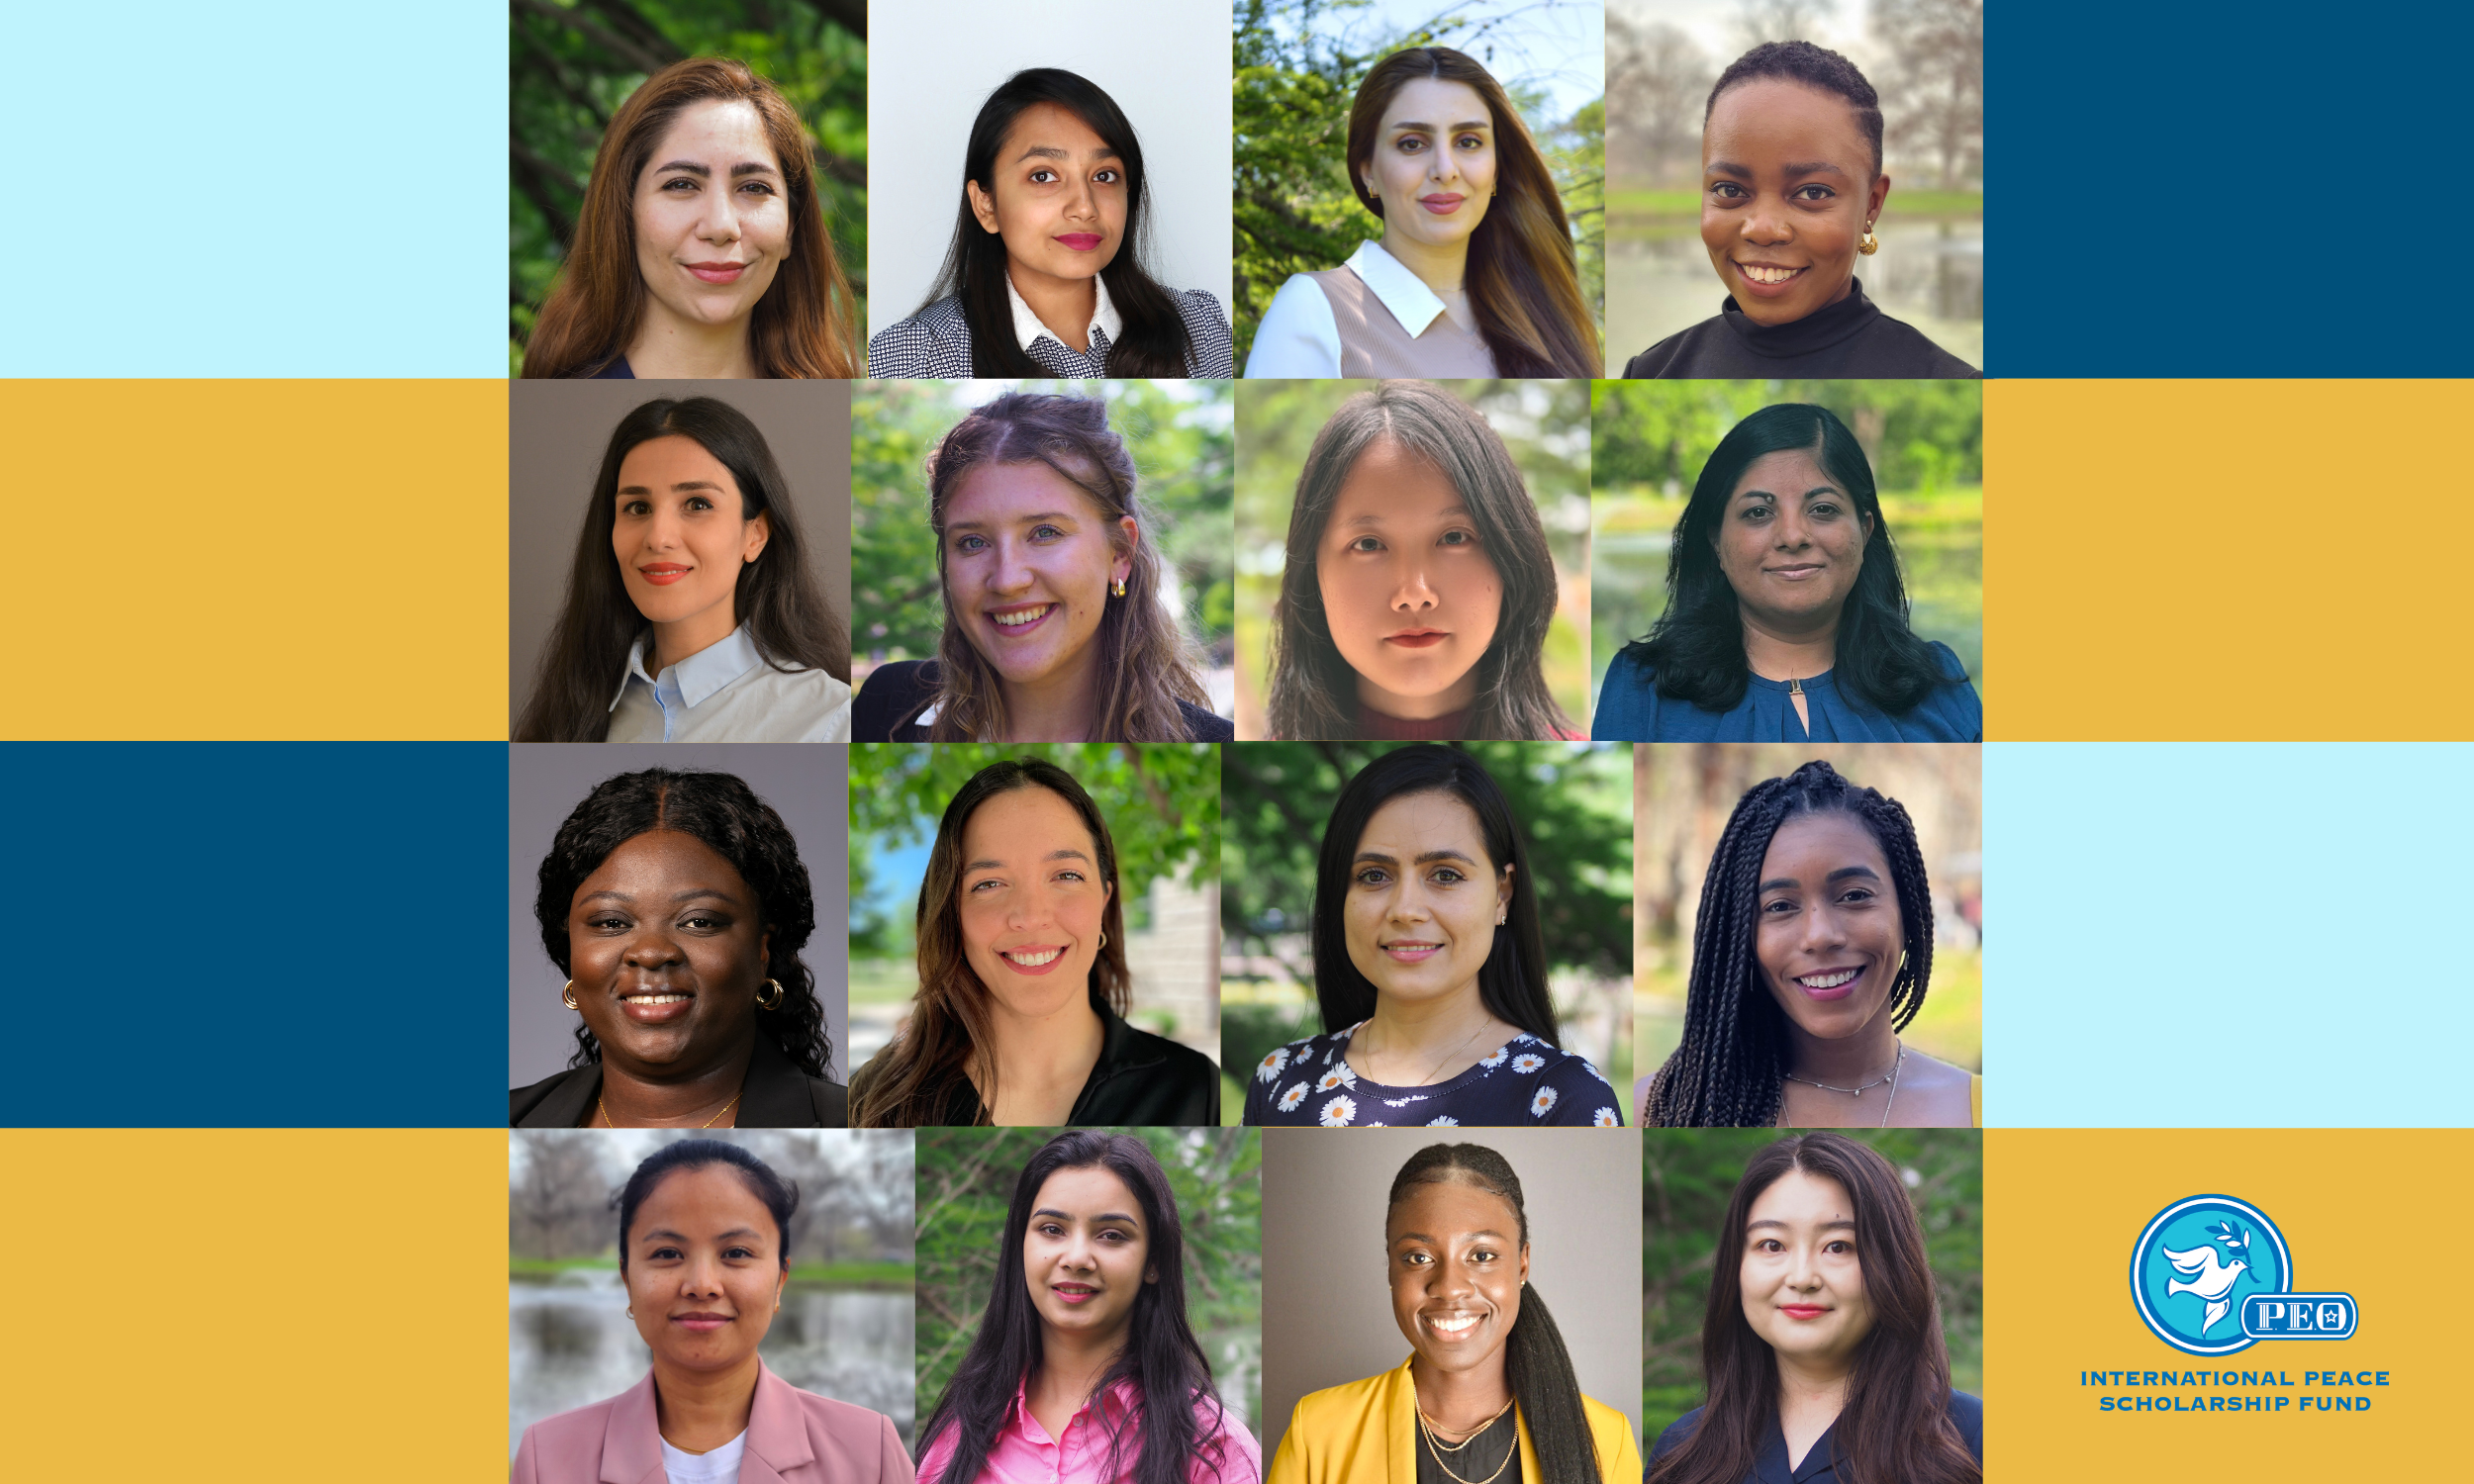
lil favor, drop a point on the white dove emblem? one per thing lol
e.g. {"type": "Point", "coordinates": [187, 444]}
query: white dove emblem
{"type": "Point", "coordinates": [2213, 1281]}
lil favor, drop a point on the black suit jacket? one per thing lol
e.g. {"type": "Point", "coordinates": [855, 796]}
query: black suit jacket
{"type": "Point", "coordinates": [775, 1095]}
{"type": "Point", "coordinates": [1140, 1080]}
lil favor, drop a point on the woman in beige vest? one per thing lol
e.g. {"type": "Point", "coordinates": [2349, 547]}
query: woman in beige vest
{"type": "Point", "coordinates": [1474, 274]}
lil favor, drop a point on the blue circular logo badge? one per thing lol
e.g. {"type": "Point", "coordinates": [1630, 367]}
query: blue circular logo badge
{"type": "Point", "coordinates": [2196, 1262]}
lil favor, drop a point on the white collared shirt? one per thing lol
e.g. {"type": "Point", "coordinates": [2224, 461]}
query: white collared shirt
{"type": "Point", "coordinates": [726, 693]}
{"type": "Point", "coordinates": [1299, 337]}
{"type": "Point", "coordinates": [1102, 331]}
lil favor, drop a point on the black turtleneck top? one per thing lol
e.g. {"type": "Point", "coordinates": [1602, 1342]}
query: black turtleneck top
{"type": "Point", "coordinates": [1851, 338]}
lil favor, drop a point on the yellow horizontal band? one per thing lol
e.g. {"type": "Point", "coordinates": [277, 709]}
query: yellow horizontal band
{"type": "Point", "coordinates": [257, 1304]}
{"type": "Point", "coordinates": [258, 560]}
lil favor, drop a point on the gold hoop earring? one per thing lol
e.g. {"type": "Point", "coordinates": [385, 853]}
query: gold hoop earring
{"type": "Point", "coordinates": [568, 995]}
{"type": "Point", "coordinates": [1119, 588]}
{"type": "Point", "coordinates": [774, 1004]}
{"type": "Point", "coordinates": [1871, 244]}
{"type": "Point", "coordinates": [1104, 937]}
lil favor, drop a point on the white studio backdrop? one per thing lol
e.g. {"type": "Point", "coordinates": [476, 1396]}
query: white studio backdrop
{"type": "Point", "coordinates": [931, 66]}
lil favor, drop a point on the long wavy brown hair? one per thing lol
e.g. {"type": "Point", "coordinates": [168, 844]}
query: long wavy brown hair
{"type": "Point", "coordinates": [1524, 279]}
{"type": "Point", "coordinates": [805, 324]}
{"type": "Point", "coordinates": [1146, 663]}
{"type": "Point", "coordinates": [951, 1033]}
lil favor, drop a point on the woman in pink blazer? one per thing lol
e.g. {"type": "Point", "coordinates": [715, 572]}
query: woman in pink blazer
{"type": "Point", "coordinates": [700, 1246]}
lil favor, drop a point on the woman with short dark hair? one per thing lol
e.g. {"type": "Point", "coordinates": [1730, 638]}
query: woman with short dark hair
{"type": "Point", "coordinates": [1791, 189]}
{"type": "Point", "coordinates": [704, 1252]}
{"type": "Point", "coordinates": [1785, 618]}
{"type": "Point", "coordinates": [676, 904]}
{"type": "Point", "coordinates": [1823, 1338]}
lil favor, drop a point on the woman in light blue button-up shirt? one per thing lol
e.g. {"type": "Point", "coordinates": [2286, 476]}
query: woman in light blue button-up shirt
{"type": "Point", "coordinates": [691, 595]}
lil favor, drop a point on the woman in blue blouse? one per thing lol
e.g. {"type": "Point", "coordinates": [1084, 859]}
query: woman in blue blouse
{"type": "Point", "coordinates": [1785, 618]}
{"type": "Point", "coordinates": [1430, 966]}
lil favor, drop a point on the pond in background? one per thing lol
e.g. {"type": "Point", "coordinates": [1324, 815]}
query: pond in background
{"type": "Point", "coordinates": [1929, 272]}
{"type": "Point", "coordinates": [570, 1342]}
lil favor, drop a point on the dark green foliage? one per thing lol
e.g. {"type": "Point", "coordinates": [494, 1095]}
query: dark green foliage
{"type": "Point", "coordinates": [573, 63]}
{"type": "Point", "coordinates": [1919, 435]}
{"type": "Point", "coordinates": [1686, 1177]}
{"type": "Point", "coordinates": [966, 1181]}
{"type": "Point", "coordinates": [1299, 64]}
{"type": "Point", "coordinates": [1575, 803]}
{"type": "Point", "coordinates": [1162, 802]}
{"type": "Point", "coordinates": [1183, 435]}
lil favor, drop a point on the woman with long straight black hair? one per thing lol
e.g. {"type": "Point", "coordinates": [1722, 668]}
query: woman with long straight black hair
{"type": "Point", "coordinates": [1488, 1395]}
{"type": "Point", "coordinates": [691, 614]}
{"type": "Point", "coordinates": [1430, 965]}
{"type": "Point", "coordinates": [1785, 618]}
{"type": "Point", "coordinates": [1822, 1346]}
{"type": "Point", "coordinates": [1045, 275]}
{"type": "Point", "coordinates": [1083, 1368]}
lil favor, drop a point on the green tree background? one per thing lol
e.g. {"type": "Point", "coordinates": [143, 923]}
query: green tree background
{"type": "Point", "coordinates": [573, 63]}
{"type": "Point", "coordinates": [1299, 64]}
{"type": "Point", "coordinates": [1184, 440]}
{"type": "Point", "coordinates": [1687, 1179]}
{"type": "Point", "coordinates": [966, 1182]}
{"type": "Point", "coordinates": [1924, 440]}
{"type": "Point", "coordinates": [1573, 800]}
{"type": "Point", "coordinates": [1545, 425]}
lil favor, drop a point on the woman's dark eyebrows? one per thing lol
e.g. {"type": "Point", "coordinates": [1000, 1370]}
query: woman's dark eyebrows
{"type": "Point", "coordinates": [685, 484]}
{"type": "Point", "coordinates": [1423, 1237]}
{"type": "Point", "coordinates": [1102, 1216]}
{"type": "Point", "coordinates": [1069, 852]}
{"type": "Point", "coordinates": [1790, 884]}
{"type": "Point", "coordinates": [1782, 1226]}
{"type": "Point", "coordinates": [1460, 128]}
{"type": "Point", "coordinates": [1424, 858]}
{"type": "Point", "coordinates": [1051, 151]}
{"type": "Point", "coordinates": [704, 172]}
{"type": "Point", "coordinates": [1376, 519]}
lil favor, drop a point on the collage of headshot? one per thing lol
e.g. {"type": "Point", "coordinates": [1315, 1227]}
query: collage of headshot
{"type": "Point", "coordinates": [1180, 575]}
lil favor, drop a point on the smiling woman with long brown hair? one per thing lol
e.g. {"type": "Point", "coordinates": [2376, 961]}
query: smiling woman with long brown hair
{"type": "Point", "coordinates": [702, 248]}
{"type": "Point", "coordinates": [1823, 1334]}
{"type": "Point", "coordinates": [1024, 982]}
{"type": "Point", "coordinates": [1474, 274]}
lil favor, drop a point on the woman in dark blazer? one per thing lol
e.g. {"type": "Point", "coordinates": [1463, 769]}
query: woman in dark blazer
{"type": "Point", "coordinates": [703, 1249]}
{"type": "Point", "coordinates": [677, 904]}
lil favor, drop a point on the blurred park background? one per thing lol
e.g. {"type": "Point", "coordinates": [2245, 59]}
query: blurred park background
{"type": "Point", "coordinates": [1687, 1176]}
{"type": "Point", "coordinates": [965, 1183]}
{"type": "Point", "coordinates": [1161, 804]}
{"type": "Point", "coordinates": [1926, 59]}
{"type": "Point", "coordinates": [845, 1330]}
{"type": "Point", "coordinates": [1682, 794]}
{"type": "Point", "coordinates": [1543, 424]}
{"type": "Point", "coordinates": [1183, 437]}
{"type": "Point", "coordinates": [1573, 803]}
{"type": "Point", "coordinates": [1924, 440]}
{"type": "Point", "coordinates": [572, 62]}
{"type": "Point", "coordinates": [1299, 64]}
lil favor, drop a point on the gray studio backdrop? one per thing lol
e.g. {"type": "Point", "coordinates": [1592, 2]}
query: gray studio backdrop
{"type": "Point", "coordinates": [808, 784]}
{"type": "Point", "coordinates": [1327, 1308]}
{"type": "Point", "coordinates": [556, 433]}
{"type": "Point", "coordinates": [931, 66]}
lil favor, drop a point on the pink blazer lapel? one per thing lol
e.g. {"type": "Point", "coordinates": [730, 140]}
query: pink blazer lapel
{"type": "Point", "coordinates": [631, 1445]}
{"type": "Point", "coordinates": [778, 1449]}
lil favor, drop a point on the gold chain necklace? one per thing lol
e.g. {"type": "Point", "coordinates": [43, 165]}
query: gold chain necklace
{"type": "Point", "coordinates": [709, 1123]}
{"type": "Point", "coordinates": [1467, 1438]}
{"type": "Point", "coordinates": [1426, 1430]}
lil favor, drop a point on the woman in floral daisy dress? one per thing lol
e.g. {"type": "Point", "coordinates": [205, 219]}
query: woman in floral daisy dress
{"type": "Point", "coordinates": [1430, 965]}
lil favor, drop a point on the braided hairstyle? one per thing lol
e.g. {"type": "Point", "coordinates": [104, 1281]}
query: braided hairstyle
{"type": "Point", "coordinates": [1728, 1071]}
{"type": "Point", "coordinates": [1536, 1368]}
{"type": "Point", "coordinates": [723, 812]}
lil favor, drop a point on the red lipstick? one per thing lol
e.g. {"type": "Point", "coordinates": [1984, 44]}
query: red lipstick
{"type": "Point", "coordinates": [663, 574]}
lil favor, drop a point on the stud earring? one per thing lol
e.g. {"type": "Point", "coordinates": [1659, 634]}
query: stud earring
{"type": "Point", "coordinates": [1871, 243]}
{"type": "Point", "coordinates": [568, 994]}
{"type": "Point", "coordinates": [1119, 588]}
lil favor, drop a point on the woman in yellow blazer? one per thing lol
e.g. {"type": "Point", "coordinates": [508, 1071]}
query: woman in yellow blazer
{"type": "Point", "coordinates": [700, 1249]}
{"type": "Point", "coordinates": [1488, 1395]}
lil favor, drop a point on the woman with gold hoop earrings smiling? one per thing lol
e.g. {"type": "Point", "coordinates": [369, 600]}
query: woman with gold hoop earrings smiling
{"type": "Point", "coordinates": [1488, 1395]}
{"type": "Point", "coordinates": [677, 904]}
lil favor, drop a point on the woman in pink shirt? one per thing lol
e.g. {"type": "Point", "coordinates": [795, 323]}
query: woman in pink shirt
{"type": "Point", "coordinates": [1083, 1369]}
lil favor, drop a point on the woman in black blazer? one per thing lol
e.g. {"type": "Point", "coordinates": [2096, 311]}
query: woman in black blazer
{"type": "Point", "coordinates": [677, 904]}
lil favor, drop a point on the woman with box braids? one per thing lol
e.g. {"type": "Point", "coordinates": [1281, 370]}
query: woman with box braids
{"type": "Point", "coordinates": [1812, 949]}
